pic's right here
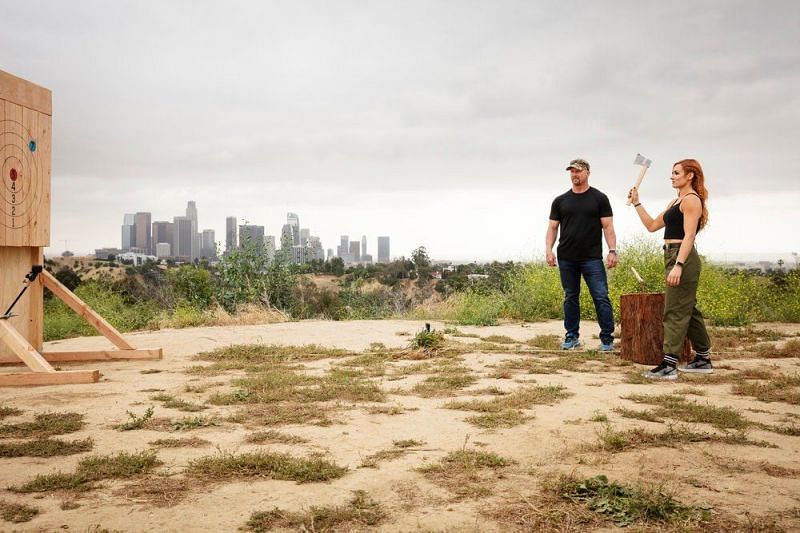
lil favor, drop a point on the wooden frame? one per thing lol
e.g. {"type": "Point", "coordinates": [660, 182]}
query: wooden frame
{"type": "Point", "coordinates": [43, 372]}
{"type": "Point", "coordinates": [26, 118]}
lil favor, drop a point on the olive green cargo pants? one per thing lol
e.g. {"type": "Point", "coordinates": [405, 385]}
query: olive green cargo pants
{"type": "Point", "coordinates": [682, 318]}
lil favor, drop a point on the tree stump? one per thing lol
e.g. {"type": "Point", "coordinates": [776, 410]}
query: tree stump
{"type": "Point", "coordinates": [641, 322]}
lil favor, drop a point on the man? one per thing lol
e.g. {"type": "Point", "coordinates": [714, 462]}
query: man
{"type": "Point", "coordinates": [583, 213]}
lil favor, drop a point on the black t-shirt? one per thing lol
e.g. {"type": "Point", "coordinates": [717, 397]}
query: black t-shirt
{"type": "Point", "coordinates": [581, 230]}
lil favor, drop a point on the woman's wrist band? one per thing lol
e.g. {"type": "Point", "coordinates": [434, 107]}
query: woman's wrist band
{"type": "Point", "coordinates": [637, 205]}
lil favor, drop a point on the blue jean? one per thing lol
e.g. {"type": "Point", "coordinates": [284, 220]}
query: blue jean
{"type": "Point", "coordinates": [594, 273]}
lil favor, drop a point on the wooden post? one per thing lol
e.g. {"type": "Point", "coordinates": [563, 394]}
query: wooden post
{"type": "Point", "coordinates": [641, 322]}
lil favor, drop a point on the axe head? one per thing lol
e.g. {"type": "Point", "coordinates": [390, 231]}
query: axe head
{"type": "Point", "coordinates": [641, 160]}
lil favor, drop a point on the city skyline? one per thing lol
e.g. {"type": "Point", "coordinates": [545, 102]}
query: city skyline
{"type": "Point", "coordinates": [166, 239]}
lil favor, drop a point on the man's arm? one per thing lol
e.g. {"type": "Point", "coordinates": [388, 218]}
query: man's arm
{"type": "Point", "coordinates": [549, 241]}
{"type": "Point", "coordinates": [611, 240]}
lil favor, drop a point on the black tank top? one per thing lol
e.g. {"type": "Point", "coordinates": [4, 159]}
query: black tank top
{"type": "Point", "coordinates": [673, 220]}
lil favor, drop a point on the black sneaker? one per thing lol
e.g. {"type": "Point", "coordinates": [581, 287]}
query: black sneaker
{"type": "Point", "coordinates": [699, 366]}
{"type": "Point", "coordinates": [662, 371]}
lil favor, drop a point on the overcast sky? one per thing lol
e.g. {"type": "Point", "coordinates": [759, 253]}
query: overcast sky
{"type": "Point", "coordinates": [444, 124]}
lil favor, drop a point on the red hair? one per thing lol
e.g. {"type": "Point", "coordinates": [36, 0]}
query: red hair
{"type": "Point", "coordinates": [698, 184]}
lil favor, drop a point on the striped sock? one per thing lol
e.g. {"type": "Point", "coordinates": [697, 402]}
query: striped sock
{"type": "Point", "coordinates": [670, 359]}
{"type": "Point", "coordinates": [706, 355]}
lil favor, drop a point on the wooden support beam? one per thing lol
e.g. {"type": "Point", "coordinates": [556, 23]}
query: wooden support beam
{"type": "Point", "coordinates": [77, 305]}
{"type": "Point", "coordinates": [103, 355]}
{"type": "Point", "coordinates": [23, 349]}
{"type": "Point", "coordinates": [62, 377]}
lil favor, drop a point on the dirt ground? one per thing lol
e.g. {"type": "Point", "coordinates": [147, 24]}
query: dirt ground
{"type": "Point", "coordinates": [740, 482]}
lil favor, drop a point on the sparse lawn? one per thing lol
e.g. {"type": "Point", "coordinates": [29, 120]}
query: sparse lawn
{"type": "Point", "coordinates": [43, 425]}
{"type": "Point", "coordinates": [91, 469]}
{"type": "Point", "coordinates": [466, 473]}
{"type": "Point", "coordinates": [360, 511]}
{"type": "Point", "coordinates": [262, 464]}
{"type": "Point", "coordinates": [45, 447]}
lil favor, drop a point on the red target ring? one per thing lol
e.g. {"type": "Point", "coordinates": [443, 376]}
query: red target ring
{"type": "Point", "coordinates": [13, 174]}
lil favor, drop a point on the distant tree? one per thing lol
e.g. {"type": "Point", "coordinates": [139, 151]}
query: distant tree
{"type": "Point", "coordinates": [422, 265]}
{"type": "Point", "coordinates": [68, 278]}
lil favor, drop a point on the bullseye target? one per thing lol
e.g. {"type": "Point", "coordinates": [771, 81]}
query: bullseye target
{"type": "Point", "coordinates": [22, 177]}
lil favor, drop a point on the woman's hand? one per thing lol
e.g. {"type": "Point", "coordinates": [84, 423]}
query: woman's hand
{"type": "Point", "coordinates": [674, 276]}
{"type": "Point", "coordinates": [633, 196]}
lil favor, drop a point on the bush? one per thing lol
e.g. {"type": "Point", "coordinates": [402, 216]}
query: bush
{"type": "Point", "coordinates": [61, 322]}
{"type": "Point", "coordinates": [193, 285]}
{"type": "Point", "coordinates": [472, 308]}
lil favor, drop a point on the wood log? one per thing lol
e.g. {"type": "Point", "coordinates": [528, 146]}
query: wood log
{"type": "Point", "coordinates": [642, 327]}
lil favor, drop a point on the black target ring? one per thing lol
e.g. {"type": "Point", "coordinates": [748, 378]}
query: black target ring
{"type": "Point", "coordinates": [29, 180]}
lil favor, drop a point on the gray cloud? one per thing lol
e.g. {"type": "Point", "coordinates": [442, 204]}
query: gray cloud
{"type": "Point", "coordinates": [377, 97]}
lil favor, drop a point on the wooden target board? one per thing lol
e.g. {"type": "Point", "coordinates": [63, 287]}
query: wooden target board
{"type": "Point", "coordinates": [25, 166]}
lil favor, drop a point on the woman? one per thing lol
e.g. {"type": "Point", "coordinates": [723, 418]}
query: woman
{"type": "Point", "coordinates": [681, 221]}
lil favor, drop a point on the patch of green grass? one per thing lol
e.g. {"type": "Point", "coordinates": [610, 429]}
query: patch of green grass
{"type": "Point", "coordinates": [626, 505]}
{"type": "Point", "coordinates": [135, 421]}
{"type": "Point", "coordinates": [9, 411]}
{"type": "Point", "coordinates": [506, 418]}
{"type": "Point", "coordinates": [500, 339]}
{"type": "Point", "coordinates": [17, 513]}
{"type": "Point", "coordinates": [783, 388]}
{"type": "Point", "coordinates": [45, 447]}
{"type": "Point", "coordinates": [407, 443]}
{"type": "Point", "coordinates": [360, 511]}
{"type": "Point", "coordinates": [263, 464]}
{"type": "Point", "coordinates": [466, 473]}
{"type": "Point", "coordinates": [283, 384]}
{"type": "Point", "coordinates": [589, 361]}
{"type": "Point", "coordinates": [455, 332]}
{"type": "Point", "coordinates": [43, 425]}
{"type": "Point", "coordinates": [256, 357]}
{"type": "Point", "coordinates": [272, 436]}
{"type": "Point", "coordinates": [192, 422]}
{"type": "Point", "coordinates": [449, 380]}
{"type": "Point", "coordinates": [428, 340]}
{"type": "Point", "coordinates": [646, 415]}
{"type": "Point", "coordinates": [597, 416]}
{"type": "Point", "coordinates": [371, 461]}
{"type": "Point", "coordinates": [192, 442]}
{"type": "Point", "coordinates": [283, 413]}
{"type": "Point", "coordinates": [613, 441]}
{"type": "Point", "coordinates": [93, 468]}
{"type": "Point", "coordinates": [523, 398]}
{"type": "Point", "coordinates": [171, 402]}
{"type": "Point", "coordinates": [679, 408]}
{"type": "Point", "coordinates": [545, 342]}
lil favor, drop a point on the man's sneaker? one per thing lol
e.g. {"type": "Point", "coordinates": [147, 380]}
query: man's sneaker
{"type": "Point", "coordinates": [570, 343]}
{"type": "Point", "coordinates": [662, 371]}
{"type": "Point", "coordinates": [699, 366]}
{"type": "Point", "coordinates": [607, 347]}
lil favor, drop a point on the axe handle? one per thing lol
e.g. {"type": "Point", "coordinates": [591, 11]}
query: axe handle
{"type": "Point", "coordinates": [638, 181]}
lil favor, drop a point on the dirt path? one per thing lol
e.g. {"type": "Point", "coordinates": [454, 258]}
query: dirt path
{"type": "Point", "coordinates": [556, 438]}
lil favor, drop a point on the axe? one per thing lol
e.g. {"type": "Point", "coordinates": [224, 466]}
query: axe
{"type": "Point", "coordinates": [643, 162]}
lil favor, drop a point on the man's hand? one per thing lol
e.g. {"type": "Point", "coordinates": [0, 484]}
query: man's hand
{"type": "Point", "coordinates": [550, 258]}
{"type": "Point", "coordinates": [611, 260]}
{"type": "Point", "coordinates": [674, 277]}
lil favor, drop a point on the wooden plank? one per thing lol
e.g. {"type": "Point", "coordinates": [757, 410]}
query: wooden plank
{"type": "Point", "coordinates": [77, 305]}
{"type": "Point", "coordinates": [103, 355]}
{"type": "Point", "coordinates": [63, 377]}
{"type": "Point", "coordinates": [35, 296]}
{"type": "Point", "coordinates": [14, 264]}
{"type": "Point", "coordinates": [22, 348]}
{"type": "Point", "coordinates": [25, 93]}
